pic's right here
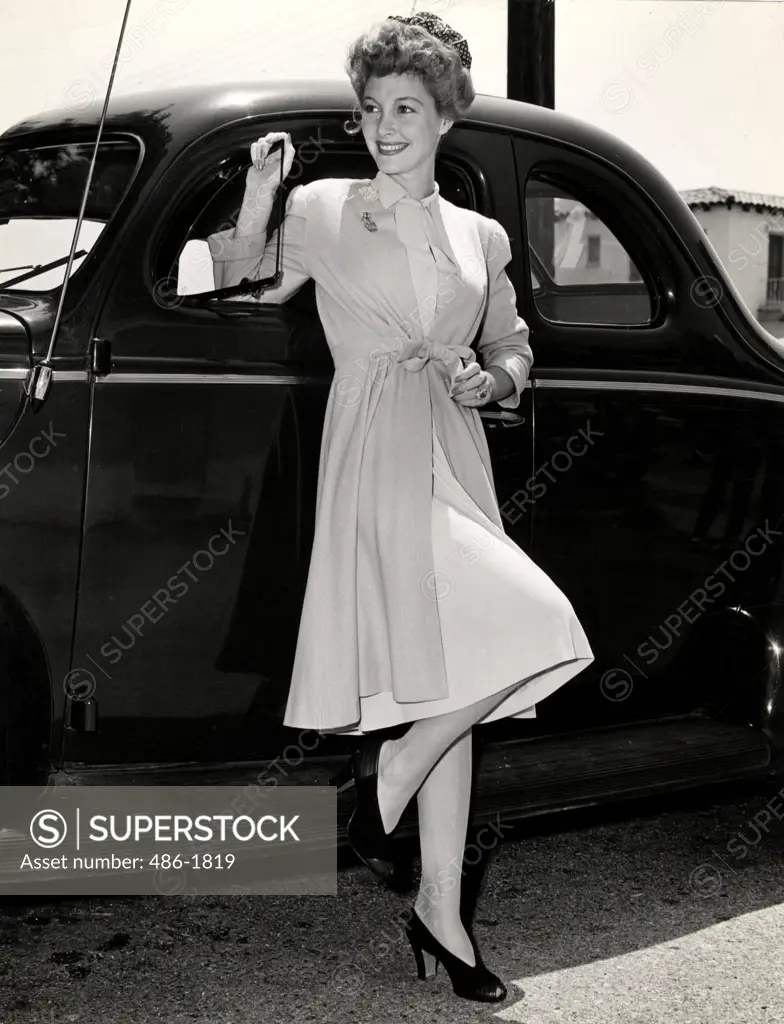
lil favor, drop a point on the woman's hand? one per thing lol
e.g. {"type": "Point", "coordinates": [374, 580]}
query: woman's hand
{"type": "Point", "coordinates": [470, 380]}
{"type": "Point", "coordinates": [264, 173]}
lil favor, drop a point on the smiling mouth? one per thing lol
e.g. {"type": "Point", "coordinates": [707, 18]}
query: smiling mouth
{"type": "Point", "coordinates": [389, 150]}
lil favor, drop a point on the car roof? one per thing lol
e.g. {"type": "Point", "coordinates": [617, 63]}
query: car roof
{"type": "Point", "coordinates": [187, 112]}
{"type": "Point", "coordinates": [171, 119]}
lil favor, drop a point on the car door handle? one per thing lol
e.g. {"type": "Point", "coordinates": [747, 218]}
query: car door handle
{"type": "Point", "coordinates": [495, 418]}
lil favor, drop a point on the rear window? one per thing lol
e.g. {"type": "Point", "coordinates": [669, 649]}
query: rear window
{"type": "Point", "coordinates": [41, 193]}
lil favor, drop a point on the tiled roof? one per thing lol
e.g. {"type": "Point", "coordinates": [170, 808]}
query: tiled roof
{"type": "Point", "coordinates": [713, 196]}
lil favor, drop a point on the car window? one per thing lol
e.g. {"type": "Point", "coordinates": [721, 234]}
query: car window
{"type": "Point", "coordinates": [184, 260]}
{"type": "Point", "coordinates": [585, 274]}
{"type": "Point", "coordinates": [41, 191]}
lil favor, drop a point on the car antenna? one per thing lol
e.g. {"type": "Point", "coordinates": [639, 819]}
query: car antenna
{"type": "Point", "coordinates": [40, 377]}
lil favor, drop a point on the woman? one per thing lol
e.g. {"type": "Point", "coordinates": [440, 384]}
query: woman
{"type": "Point", "coordinates": [418, 607]}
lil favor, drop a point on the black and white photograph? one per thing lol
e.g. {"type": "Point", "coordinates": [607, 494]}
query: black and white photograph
{"type": "Point", "coordinates": [391, 512]}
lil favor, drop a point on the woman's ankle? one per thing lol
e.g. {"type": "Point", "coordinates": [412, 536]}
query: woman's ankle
{"type": "Point", "coordinates": [444, 923]}
{"type": "Point", "coordinates": [433, 904]}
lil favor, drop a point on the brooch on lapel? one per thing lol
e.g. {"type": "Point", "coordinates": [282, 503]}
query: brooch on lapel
{"type": "Point", "coordinates": [370, 194]}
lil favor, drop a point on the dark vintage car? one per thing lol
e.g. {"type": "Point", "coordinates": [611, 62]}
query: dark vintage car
{"type": "Point", "coordinates": [157, 504]}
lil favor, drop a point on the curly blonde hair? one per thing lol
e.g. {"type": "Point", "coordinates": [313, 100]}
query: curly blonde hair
{"type": "Point", "coordinates": [396, 48]}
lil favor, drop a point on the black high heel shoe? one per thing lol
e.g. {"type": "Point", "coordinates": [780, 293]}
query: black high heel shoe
{"type": "Point", "coordinates": [365, 830]}
{"type": "Point", "coordinates": [468, 982]}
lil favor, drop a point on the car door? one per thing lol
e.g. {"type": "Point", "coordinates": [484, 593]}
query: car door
{"type": "Point", "coordinates": [44, 175]}
{"type": "Point", "coordinates": [656, 489]}
{"type": "Point", "coordinates": [206, 430]}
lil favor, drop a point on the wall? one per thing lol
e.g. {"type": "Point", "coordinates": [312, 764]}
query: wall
{"type": "Point", "coordinates": [571, 248]}
{"type": "Point", "coordinates": [740, 237]}
{"type": "Point", "coordinates": [747, 257]}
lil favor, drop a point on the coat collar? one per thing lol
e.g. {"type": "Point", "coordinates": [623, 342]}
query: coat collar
{"type": "Point", "coordinates": [390, 192]}
{"type": "Point", "coordinates": [458, 233]}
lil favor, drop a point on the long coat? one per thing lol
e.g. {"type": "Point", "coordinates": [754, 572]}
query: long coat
{"type": "Point", "coordinates": [390, 389]}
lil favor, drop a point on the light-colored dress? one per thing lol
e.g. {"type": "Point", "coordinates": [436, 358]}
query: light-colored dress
{"type": "Point", "coordinates": [417, 603]}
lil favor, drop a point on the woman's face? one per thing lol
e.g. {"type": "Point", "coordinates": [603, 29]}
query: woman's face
{"type": "Point", "coordinates": [400, 123]}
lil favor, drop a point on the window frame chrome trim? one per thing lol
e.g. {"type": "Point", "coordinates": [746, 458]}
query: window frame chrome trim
{"type": "Point", "coordinates": [139, 377]}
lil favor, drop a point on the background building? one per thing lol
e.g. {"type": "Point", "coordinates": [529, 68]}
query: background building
{"type": "Point", "coordinates": [747, 231]}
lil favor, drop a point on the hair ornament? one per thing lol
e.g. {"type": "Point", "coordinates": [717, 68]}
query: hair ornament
{"type": "Point", "coordinates": [444, 33]}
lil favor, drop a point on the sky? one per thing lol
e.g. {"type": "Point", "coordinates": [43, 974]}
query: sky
{"type": "Point", "coordinates": [694, 85]}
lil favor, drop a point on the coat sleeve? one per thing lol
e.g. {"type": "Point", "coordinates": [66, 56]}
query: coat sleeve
{"type": "Point", "coordinates": [252, 256]}
{"type": "Point", "coordinates": [503, 341]}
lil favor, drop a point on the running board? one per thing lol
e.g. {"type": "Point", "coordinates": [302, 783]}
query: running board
{"type": "Point", "coordinates": [516, 778]}
{"type": "Point", "coordinates": [617, 763]}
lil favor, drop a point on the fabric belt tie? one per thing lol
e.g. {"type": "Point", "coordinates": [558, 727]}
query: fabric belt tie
{"type": "Point", "coordinates": [414, 355]}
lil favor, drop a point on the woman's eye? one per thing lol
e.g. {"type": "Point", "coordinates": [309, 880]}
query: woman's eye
{"type": "Point", "coordinates": [402, 108]}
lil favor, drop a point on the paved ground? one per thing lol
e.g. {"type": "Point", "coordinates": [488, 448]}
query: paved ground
{"type": "Point", "coordinates": [664, 912]}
